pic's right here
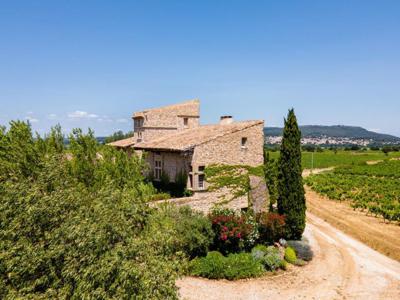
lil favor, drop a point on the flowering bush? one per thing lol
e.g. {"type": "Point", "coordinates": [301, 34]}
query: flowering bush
{"type": "Point", "coordinates": [234, 232]}
{"type": "Point", "coordinates": [271, 227]}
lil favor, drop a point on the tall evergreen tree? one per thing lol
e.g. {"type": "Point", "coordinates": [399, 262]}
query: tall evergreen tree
{"type": "Point", "coordinates": [291, 199]}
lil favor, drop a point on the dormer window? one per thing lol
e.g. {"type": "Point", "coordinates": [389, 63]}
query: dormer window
{"type": "Point", "coordinates": [244, 142]}
{"type": "Point", "coordinates": [138, 123]}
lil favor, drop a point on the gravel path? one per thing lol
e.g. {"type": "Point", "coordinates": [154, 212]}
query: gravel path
{"type": "Point", "coordinates": [342, 268]}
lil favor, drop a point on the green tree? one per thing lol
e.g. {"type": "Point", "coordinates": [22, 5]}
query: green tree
{"type": "Point", "coordinates": [271, 178]}
{"type": "Point", "coordinates": [74, 223]}
{"type": "Point", "coordinates": [118, 135]}
{"type": "Point", "coordinates": [291, 199]}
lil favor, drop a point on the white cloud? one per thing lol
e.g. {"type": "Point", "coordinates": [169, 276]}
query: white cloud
{"type": "Point", "coordinates": [31, 119]}
{"type": "Point", "coordinates": [375, 129]}
{"type": "Point", "coordinates": [52, 116]}
{"type": "Point", "coordinates": [122, 120]}
{"type": "Point", "coordinates": [78, 114]}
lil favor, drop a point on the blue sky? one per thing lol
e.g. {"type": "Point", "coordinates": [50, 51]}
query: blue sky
{"type": "Point", "coordinates": [93, 63]}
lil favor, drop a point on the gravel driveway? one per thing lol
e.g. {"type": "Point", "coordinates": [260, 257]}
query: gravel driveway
{"type": "Point", "coordinates": [342, 268]}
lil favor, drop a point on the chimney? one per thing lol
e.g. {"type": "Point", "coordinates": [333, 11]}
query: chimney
{"type": "Point", "coordinates": [225, 120]}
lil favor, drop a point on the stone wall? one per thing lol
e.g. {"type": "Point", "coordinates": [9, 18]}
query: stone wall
{"type": "Point", "coordinates": [228, 149]}
{"type": "Point", "coordinates": [205, 201]}
{"type": "Point", "coordinates": [173, 162]}
{"type": "Point", "coordinates": [159, 122]}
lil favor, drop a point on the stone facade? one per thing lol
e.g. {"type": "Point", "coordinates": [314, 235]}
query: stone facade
{"type": "Point", "coordinates": [159, 122]}
{"type": "Point", "coordinates": [175, 142]}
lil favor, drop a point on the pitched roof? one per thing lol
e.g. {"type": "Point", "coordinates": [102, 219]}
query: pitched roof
{"type": "Point", "coordinates": [189, 138]}
{"type": "Point", "coordinates": [123, 143]}
{"type": "Point", "coordinates": [190, 108]}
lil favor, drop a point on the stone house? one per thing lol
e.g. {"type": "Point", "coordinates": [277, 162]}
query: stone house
{"type": "Point", "coordinates": [175, 142]}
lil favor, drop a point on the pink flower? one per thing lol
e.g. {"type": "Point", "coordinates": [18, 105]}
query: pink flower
{"type": "Point", "coordinates": [224, 237]}
{"type": "Point", "coordinates": [238, 235]}
{"type": "Point", "coordinates": [224, 228]}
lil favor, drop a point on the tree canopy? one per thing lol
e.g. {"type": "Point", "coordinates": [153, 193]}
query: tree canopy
{"type": "Point", "coordinates": [291, 199]}
{"type": "Point", "coordinates": [73, 221]}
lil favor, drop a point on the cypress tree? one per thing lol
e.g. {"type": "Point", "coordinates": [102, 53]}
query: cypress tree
{"type": "Point", "coordinates": [291, 199]}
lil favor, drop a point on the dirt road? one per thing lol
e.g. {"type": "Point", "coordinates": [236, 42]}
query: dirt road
{"type": "Point", "coordinates": [342, 268]}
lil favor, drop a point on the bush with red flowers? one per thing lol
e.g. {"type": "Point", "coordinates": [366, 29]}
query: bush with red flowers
{"type": "Point", "coordinates": [234, 232]}
{"type": "Point", "coordinates": [271, 227]}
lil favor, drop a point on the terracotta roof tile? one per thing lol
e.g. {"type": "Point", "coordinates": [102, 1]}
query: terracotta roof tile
{"type": "Point", "coordinates": [123, 143]}
{"type": "Point", "coordinates": [187, 139]}
{"type": "Point", "coordinates": [190, 107]}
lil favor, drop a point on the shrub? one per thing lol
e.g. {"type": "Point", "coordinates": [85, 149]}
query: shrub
{"type": "Point", "coordinates": [290, 255]}
{"type": "Point", "coordinates": [271, 227]}
{"type": "Point", "coordinates": [268, 256]}
{"type": "Point", "coordinates": [160, 196]}
{"type": "Point", "coordinates": [189, 231]}
{"type": "Point", "coordinates": [300, 262]}
{"type": "Point", "coordinates": [302, 248]}
{"type": "Point", "coordinates": [234, 266]}
{"type": "Point", "coordinates": [283, 265]}
{"type": "Point", "coordinates": [212, 266]}
{"type": "Point", "coordinates": [242, 265]}
{"type": "Point", "coordinates": [234, 232]}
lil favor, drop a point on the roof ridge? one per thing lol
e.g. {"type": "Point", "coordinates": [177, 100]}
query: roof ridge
{"type": "Point", "coordinates": [192, 101]}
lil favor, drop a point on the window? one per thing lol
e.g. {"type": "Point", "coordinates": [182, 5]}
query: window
{"type": "Point", "coordinates": [201, 177]}
{"type": "Point", "coordinates": [157, 169]}
{"type": "Point", "coordinates": [244, 142]}
{"type": "Point", "coordinates": [190, 181]}
{"type": "Point", "coordinates": [185, 122]}
{"type": "Point", "coordinates": [139, 136]}
{"type": "Point", "coordinates": [201, 181]}
{"type": "Point", "coordinates": [138, 123]}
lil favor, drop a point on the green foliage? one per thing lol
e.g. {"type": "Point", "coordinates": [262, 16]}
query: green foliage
{"type": "Point", "coordinates": [232, 267]}
{"type": "Point", "coordinates": [176, 188]}
{"type": "Point", "coordinates": [374, 188]}
{"type": "Point", "coordinates": [290, 255]}
{"type": "Point", "coordinates": [75, 225]}
{"type": "Point", "coordinates": [271, 227]}
{"type": "Point", "coordinates": [234, 232]}
{"type": "Point", "coordinates": [212, 266]}
{"type": "Point", "coordinates": [188, 231]}
{"type": "Point", "coordinates": [160, 196]}
{"type": "Point", "coordinates": [291, 199]}
{"type": "Point", "coordinates": [19, 154]}
{"type": "Point", "coordinates": [268, 256]}
{"type": "Point", "coordinates": [389, 168]}
{"type": "Point", "coordinates": [271, 178]}
{"type": "Point", "coordinates": [234, 177]}
{"type": "Point", "coordinates": [332, 158]}
{"type": "Point", "coordinates": [118, 135]}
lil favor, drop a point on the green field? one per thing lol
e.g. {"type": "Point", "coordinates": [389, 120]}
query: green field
{"type": "Point", "coordinates": [329, 158]}
{"type": "Point", "coordinates": [374, 188]}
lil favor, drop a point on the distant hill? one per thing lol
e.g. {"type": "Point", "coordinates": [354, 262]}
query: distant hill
{"type": "Point", "coordinates": [337, 131]}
